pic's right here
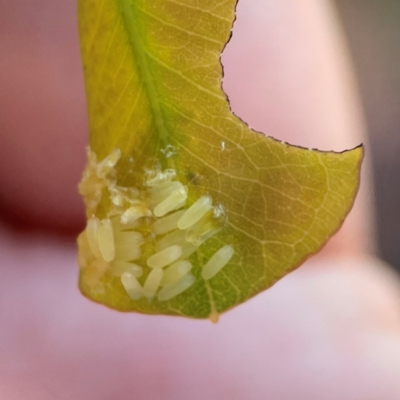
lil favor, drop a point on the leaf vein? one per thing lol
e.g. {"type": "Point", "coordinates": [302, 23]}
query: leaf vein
{"type": "Point", "coordinates": [179, 73]}
{"type": "Point", "coordinates": [200, 10]}
{"type": "Point", "coordinates": [96, 27]}
{"type": "Point", "coordinates": [190, 33]}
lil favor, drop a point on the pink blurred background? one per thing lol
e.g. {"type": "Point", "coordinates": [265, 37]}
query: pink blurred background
{"type": "Point", "coordinates": [330, 330]}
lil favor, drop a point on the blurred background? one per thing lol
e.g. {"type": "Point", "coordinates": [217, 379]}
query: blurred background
{"type": "Point", "coordinates": [373, 32]}
{"type": "Point", "coordinates": [326, 328]}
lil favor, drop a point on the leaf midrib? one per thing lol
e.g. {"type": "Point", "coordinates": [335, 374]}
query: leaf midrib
{"type": "Point", "coordinates": [129, 19]}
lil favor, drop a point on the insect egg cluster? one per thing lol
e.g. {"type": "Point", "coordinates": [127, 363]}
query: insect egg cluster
{"type": "Point", "coordinates": [149, 236]}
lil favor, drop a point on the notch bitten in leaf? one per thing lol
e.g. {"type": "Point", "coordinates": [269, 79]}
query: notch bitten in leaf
{"type": "Point", "coordinates": [190, 212]}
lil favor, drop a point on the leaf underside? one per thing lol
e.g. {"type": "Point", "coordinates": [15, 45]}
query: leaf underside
{"type": "Point", "coordinates": [153, 79]}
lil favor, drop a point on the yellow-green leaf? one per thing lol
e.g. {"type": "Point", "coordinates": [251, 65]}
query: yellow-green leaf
{"type": "Point", "coordinates": [153, 82]}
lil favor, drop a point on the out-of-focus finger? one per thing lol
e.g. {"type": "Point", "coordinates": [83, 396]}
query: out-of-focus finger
{"type": "Point", "coordinates": [43, 127]}
{"type": "Point", "coordinates": [289, 74]}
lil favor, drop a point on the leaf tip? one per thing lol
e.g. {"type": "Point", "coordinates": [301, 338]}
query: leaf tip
{"type": "Point", "coordinates": [214, 317]}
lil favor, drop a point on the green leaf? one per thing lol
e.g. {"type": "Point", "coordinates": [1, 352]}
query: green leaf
{"type": "Point", "coordinates": [153, 82]}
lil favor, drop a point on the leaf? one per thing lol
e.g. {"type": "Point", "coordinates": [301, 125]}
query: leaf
{"type": "Point", "coordinates": [153, 82]}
